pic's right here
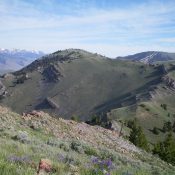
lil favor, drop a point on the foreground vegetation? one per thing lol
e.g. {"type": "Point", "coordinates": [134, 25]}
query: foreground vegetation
{"type": "Point", "coordinates": [73, 148]}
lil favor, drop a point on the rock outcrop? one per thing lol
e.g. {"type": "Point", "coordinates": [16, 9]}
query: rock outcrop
{"type": "Point", "coordinates": [169, 82]}
{"type": "Point", "coordinates": [52, 73]}
{"type": "Point", "coordinates": [2, 90]}
{"type": "Point", "coordinates": [45, 165]}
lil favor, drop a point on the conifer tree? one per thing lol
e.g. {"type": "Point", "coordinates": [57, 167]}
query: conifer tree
{"type": "Point", "coordinates": [167, 127]}
{"type": "Point", "coordinates": [166, 149]}
{"type": "Point", "coordinates": [137, 137]}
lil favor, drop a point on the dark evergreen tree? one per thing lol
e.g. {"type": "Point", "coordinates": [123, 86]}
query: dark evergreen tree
{"type": "Point", "coordinates": [75, 118]}
{"type": "Point", "coordinates": [166, 149]}
{"type": "Point", "coordinates": [155, 130]}
{"type": "Point", "coordinates": [164, 106]}
{"type": "Point", "coordinates": [167, 127]}
{"type": "Point", "coordinates": [131, 123]}
{"type": "Point", "coordinates": [173, 127]}
{"type": "Point", "coordinates": [137, 137]}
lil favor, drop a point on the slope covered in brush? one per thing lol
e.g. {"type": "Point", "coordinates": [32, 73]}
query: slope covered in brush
{"type": "Point", "coordinates": [73, 148]}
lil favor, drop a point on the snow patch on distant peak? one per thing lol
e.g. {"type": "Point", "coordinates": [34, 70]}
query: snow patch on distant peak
{"type": "Point", "coordinates": [148, 58]}
{"type": "Point", "coordinates": [15, 51]}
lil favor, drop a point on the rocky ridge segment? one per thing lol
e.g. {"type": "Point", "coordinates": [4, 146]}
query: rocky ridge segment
{"type": "Point", "coordinates": [52, 73]}
{"type": "Point", "coordinates": [68, 129]}
{"type": "Point", "coordinates": [45, 61]}
{"type": "Point", "coordinates": [2, 90]}
{"type": "Point", "coordinates": [71, 130]}
{"type": "Point", "coordinates": [169, 82]}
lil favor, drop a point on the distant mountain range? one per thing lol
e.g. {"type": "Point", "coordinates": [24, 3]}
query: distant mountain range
{"type": "Point", "coordinates": [16, 59]}
{"type": "Point", "coordinates": [12, 60]}
{"type": "Point", "coordinates": [150, 57]}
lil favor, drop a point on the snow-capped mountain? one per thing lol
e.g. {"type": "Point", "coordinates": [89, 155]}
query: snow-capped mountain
{"type": "Point", "coordinates": [15, 59]}
{"type": "Point", "coordinates": [150, 57]}
{"type": "Point", "coordinates": [19, 51]}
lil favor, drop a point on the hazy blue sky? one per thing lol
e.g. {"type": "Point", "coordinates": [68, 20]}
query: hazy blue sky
{"type": "Point", "coordinates": [109, 27]}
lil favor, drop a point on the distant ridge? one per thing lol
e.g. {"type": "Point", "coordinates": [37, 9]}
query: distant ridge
{"type": "Point", "coordinates": [150, 57]}
{"type": "Point", "coordinates": [15, 59]}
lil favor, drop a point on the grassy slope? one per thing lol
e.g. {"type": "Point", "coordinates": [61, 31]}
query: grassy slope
{"type": "Point", "coordinates": [90, 84]}
{"type": "Point", "coordinates": [150, 113]}
{"type": "Point", "coordinates": [95, 84]}
{"type": "Point", "coordinates": [33, 137]}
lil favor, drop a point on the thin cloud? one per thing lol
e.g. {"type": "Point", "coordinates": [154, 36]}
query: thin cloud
{"type": "Point", "coordinates": [140, 25]}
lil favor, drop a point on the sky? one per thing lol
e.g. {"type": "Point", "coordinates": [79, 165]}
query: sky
{"type": "Point", "coordinates": [109, 27]}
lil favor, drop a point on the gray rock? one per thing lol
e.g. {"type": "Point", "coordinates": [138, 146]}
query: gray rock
{"type": "Point", "coordinates": [2, 89]}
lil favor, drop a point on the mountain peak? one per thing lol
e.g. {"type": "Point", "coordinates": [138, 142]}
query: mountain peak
{"type": "Point", "coordinates": [76, 52]}
{"type": "Point", "coordinates": [61, 56]}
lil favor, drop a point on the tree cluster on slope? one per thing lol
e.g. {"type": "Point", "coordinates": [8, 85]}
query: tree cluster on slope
{"type": "Point", "coordinates": [166, 149]}
{"type": "Point", "coordinates": [137, 136]}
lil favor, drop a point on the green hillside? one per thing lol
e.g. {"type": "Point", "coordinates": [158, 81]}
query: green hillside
{"type": "Point", "coordinates": [86, 87]}
{"type": "Point", "coordinates": [76, 82]}
{"type": "Point", "coordinates": [151, 113]}
{"type": "Point", "coordinates": [80, 84]}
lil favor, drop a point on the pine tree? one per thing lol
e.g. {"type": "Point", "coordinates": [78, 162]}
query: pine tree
{"type": "Point", "coordinates": [167, 127]}
{"type": "Point", "coordinates": [169, 149]}
{"type": "Point", "coordinates": [166, 149]}
{"type": "Point", "coordinates": [137, 137]}
{"type": "Point", "coordinates": [155, 130]}
{"type": "Point", "coordinates": [173, 127]}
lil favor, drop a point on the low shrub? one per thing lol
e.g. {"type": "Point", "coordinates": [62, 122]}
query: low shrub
{"type": "Point", "coordinates": [76, 146]}
{"type": "Point", "coordinates": [53, 142]}
{"type": "Point", "coordinates": [19, 159]}
{"type": "Point", "coordinates": [22, 136]}
{"type": "Point", "coordinates": [64, 147]}
{"type": "Point", "coordinates": [90, 151]}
